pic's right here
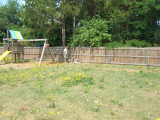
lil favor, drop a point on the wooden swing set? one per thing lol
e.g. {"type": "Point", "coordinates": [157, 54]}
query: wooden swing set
{"type": "Point", "coordinates": [17, 49]}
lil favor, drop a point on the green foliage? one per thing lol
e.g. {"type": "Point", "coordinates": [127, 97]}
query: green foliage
{"type": "Point", "coordinates": [95, 109]}
{"type": "Point", "coordinates": [52, 105]}
{"type": "Point", "coordinates": [76, 79]}
{"type": "Point", "coordinates": [2, 34]}
{"type": "Point", "coordinates": [38, 18]}
{"type": "Point", "coordinates": [112, 113]}
{"type": "Point", "coordinates": [1, 44]}
{"type": "Point", "coordinates": [43, 96]}
{"type": "Point", "coordinates": [125, 22]}
{"type": "Point", "coordinates": [9, 14]}
{"type": "Point", "coordinates": [138, 43]}
{"type": "Point", "coordinates": [133, 20]}
{"type": "Point", "coordinates": [114, 45]}
{"type": "Point", "coordinates": [92, 32]}
{"type": "Point", "coordinates": [128, 43]}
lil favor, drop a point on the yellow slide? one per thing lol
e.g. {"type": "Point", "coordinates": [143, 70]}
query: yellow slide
{"type": "Point", "coordinates": [4, 55]}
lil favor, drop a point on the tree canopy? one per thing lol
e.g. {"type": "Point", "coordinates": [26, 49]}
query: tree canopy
{"type": "Point", "coordinates": [85, 22]}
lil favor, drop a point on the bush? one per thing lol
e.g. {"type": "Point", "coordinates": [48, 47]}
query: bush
{"type": "Point", "coordinates": [92, 32]}
{"type": "Point", "coordinates": [138, 43]}
{"type": "Point", "coordinates": [128, 43]}
{"type": "Point", "coordinates": [114, 45]}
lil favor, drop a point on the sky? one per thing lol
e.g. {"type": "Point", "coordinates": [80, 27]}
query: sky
{"type": "Point", "coordinates": [3, 2]}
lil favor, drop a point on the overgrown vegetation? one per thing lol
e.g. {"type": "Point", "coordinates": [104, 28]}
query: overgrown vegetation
{"type": "Point", "coordinates": [70, 92]}
{"type": "Point", "coordinates": [92, 32]}
{"type": "Point", "coordinates": [128, 43]}
{"type": "Point", "coordinates": [76, 79]}
{"type": "Point", "coordinates": [75, 22]}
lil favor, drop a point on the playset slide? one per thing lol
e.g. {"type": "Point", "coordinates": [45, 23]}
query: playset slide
{"type": "Point", "coordinates": [4, 55]}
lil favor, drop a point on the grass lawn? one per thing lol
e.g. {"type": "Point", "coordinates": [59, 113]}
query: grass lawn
{"type": "Point", "coordinates": [80, 92]}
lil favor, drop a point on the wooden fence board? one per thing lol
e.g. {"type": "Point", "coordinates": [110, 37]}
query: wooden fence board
{"type": "Point", "coordinates": [128, 56]}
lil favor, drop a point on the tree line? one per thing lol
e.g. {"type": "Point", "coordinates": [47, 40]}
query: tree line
{"type": "Point", "coordinates": [111, 23]}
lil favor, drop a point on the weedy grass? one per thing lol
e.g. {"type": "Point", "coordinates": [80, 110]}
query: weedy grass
{"type": "Point", "coordinates": [80, 92]}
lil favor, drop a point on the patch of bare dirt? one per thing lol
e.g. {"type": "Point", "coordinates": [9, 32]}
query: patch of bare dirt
{"type": "Point", "coordinates": [25, 65]}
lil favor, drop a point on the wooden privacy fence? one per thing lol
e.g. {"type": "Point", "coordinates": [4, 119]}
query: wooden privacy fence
{"type": "Point", "coordinates": [124, 56]}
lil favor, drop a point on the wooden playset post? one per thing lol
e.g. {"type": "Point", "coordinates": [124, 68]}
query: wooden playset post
{"type": "Point", "coordinates": [50, 52]}
{"type": "Point", "coordinates": [43, 52]}
{"type": "Point", "coordinates": [23, 56]}
{"type": "Point", "coordinates": [12, 50]}
{"type": "Point", "coordinates": [23, 52]}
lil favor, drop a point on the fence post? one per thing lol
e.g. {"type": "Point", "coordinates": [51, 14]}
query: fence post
{"type": "Point", "coordinates": [148, 57]}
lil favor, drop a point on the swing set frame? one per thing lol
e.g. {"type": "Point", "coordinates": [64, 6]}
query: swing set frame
{"type": "Point", "coordinates": [30, 40]}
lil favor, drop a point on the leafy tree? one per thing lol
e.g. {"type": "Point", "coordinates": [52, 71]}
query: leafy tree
{"type": "Point", "coordinates": [68, 8]}
{"type": "Point", "coordinates": [92, 32]}
{"type": "Point", "coordinates": [119, 17]}
{"type": "Point", "coordinates": [39, 15]}
{"type": "Point", "coordinates": [9, 14]}
{"type": "Point", "coordinates": [76, 7]}
{"type": "Point", "coordinates": [121, 22]}
{"type": "Point", "coordinates": [144, 21]}
{"type": "Point", "coordinates": [47, 16]}
{"type": "Point", "coordinates": [133, 19]}
{"type": "Point", "coordinates": [2, 34]}
{"type": "Point", "coordinates": [41, 20]}
{"type": "Point", "coordinates": [9, 17]}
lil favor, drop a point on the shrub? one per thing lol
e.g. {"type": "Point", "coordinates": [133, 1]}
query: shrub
{"type": "Point", "coordinates": [114, 45]}
{"type": "Point", "coordinates": [137, 43]}
{"type": "Point", "coordinates": [128, 43]}
{"type": "Point", "coordinates": [92, 32]}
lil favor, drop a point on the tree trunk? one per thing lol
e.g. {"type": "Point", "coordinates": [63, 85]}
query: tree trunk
{"type": "Point", "coordinates": [127, 28]}
{"type": "Point", "coordinates": [63, 31]}
{"type": "Point", "coordinates": [63, 28]}
{"type": "Point", "coordinates": [74, 24]}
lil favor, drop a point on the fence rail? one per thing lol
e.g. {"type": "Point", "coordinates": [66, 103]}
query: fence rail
{"type": "Point", "coordinates": [122, 56]}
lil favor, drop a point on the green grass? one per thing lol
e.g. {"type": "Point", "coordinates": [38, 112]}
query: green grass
{"type": "Point", "coordinates": [80, 92]}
